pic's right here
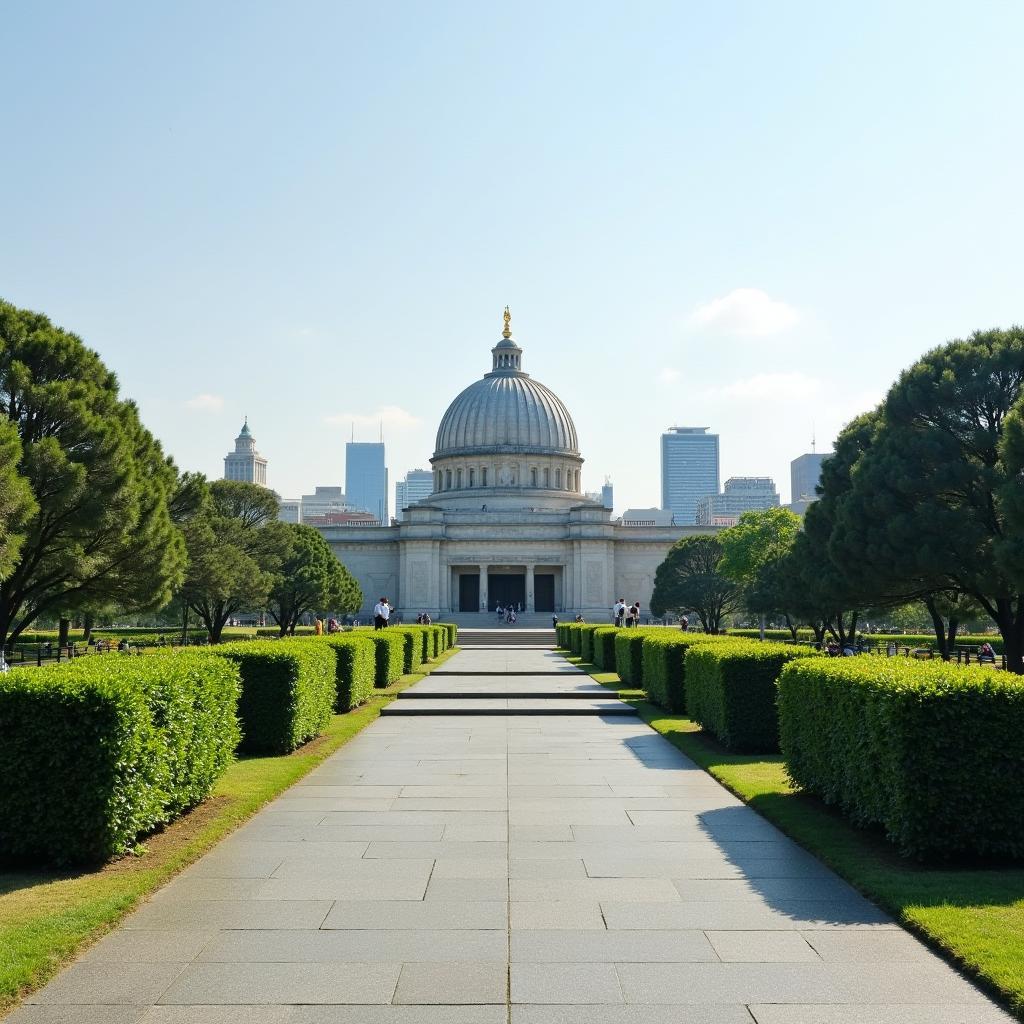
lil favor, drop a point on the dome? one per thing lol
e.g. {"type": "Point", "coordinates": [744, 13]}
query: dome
{"type": "Point", "coordinates": [506, 412]}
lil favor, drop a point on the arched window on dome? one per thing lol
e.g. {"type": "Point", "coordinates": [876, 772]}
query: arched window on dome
{"type": "Point", "coordinates": [483, 476]}
{"type": "Point", "coordinates": [448, 480]}
{"type": "Point", "coordinates": [472, 477]}
{"type": "Point", "coordinates": [558, 479]}
{"type": "Point", "coordinates": [458, 479]}
{"type": "Point", "coordinates": [547, 477]}
{"type": "Point", "coordinates": [533, 477]}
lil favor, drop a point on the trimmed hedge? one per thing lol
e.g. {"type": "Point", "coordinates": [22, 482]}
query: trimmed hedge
{"type": "Point", "coordinates": [629, 664]}
{"type": "Point", "coordinates": [928, 751]}
{"type": "Point", "coordinates": [587, 641]}
{"type": "Point", "coordinates": [412, 647]}
{"type": "Point", "coordinates": [664, 665]}
{"type": "Point", "coordinates": [356, 667]}
{"type": "Point", "coordinates": [452, 632]}
{"type": "Point", "coordinates": [389, 655]}
{"type": "Point", "coordinates": [603, 642]}
{"type": "Point", "coordinates": [288, 691]}
{"type": "Point", "coordinates": [732, 690]}
{"type": "Point", "coordinates": [98, 752]}
{"type": "Point", "coordinates": [573, 637]}
{"type": "Point", "coordinates": [900, 639]}
{"type": "Point", "coordinates": [274, 633]}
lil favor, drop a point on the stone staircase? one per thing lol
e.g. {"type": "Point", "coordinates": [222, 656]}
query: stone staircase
{"type": "Point", "coordinates": [507, 680]}
{"type": "Point", "coordinates": [507, 636]}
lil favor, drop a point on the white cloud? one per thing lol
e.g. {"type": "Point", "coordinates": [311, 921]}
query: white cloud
{"type": "Point", "coordinates": [669, 375]}
{"type": "Point", "coordinates": [770, 385]}
{"type": "Point", "coordinates": [393, 417]}
{"type": "Point", "coordinates": [206, 403]}
{"type": "Point", "coordinates": [748, 312]}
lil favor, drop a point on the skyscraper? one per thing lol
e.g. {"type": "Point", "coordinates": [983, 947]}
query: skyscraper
{"type": "Point", "coordinates": [366, 478]}
{"type": "Point", "coordinates": [245, 463]}
{"type": "Point", "coordinates": [740, 494]}
{"type": "Point", "coordinates": [804, 474]}
{"type": "Point", "coordinates": [417, 485]}
{"type": "Point", "coordinates": [689, 470]}
{"type": "Point", "coordinates": [608, 494]}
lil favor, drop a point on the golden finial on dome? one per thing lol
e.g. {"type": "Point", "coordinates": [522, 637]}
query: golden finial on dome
{"type": "Point", "coordinates": [507, 332]}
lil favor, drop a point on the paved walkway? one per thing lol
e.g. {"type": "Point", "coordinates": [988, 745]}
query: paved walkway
{"type": "Point", "coordinates": [509, 868]}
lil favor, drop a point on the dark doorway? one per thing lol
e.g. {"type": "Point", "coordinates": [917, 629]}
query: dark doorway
{"type": "Point", "coordinates": [469, 592]}
{"type": "Point", "coordinates": [506, 589]}
{"type": "Point", "coordinates": [544, 591]}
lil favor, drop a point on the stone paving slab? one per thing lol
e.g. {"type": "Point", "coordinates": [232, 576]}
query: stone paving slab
{"type": "Point", "coordinates": [508, 869]}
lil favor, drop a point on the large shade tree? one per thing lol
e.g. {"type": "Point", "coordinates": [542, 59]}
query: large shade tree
{"type": "Point", "coordinates": [750, 552]}
{"type": "Point", "coordinates": [816, 585]}
{"type": "Point", "coordinates": [691, 579]}
{"type": "Point", "coordinates": [933, 510]}
{"type": "Point", "coordinates": [308, 577]}
{"type": "Point", "coordinates": [98, 528]}
{"type": "Point", "coordinates": [230, 561]}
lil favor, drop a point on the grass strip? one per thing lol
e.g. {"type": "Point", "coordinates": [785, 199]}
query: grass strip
{"type": "Point", "coordinates": [972, 915]}
{"type": "Point", "coordinates": [48, 916]}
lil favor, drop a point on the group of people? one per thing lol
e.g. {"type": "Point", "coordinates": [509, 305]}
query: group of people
{"type": "Point", "coordinates": [626, 614]}
{"type": "Point", "coordinates": [332, 625]}
{"type": "Point", "coordinates": [509, 614]}
{"type": "Point", "coordinates": [423, 619]}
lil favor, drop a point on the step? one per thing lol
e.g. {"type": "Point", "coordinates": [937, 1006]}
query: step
{"type": "Point", "coordinates": [504, 695]}
{"type": "Point", "coordinates": [570, 672]}
{"type": "Point", "coordinates": [510, 707]}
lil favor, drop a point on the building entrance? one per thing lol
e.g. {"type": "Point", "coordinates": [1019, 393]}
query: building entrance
{"type": "Point", "coordinates": [506, 589]}
{"type": "Point", "coordinates": [544, 591]}
{"type": "Point", "coordinates": [469, 592]}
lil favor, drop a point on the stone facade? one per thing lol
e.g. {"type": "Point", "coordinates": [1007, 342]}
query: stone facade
{"type": "Point", "coordinates": [518, 530]}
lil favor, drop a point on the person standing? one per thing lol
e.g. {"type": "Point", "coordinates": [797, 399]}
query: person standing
{"type": "Point", "coordinates": [380, 614]}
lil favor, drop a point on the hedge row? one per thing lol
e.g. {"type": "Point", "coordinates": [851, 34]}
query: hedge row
{"type": "Point", "coordinates": [355, 670]}
{"type": "Point", "coordinates": [288, 692]}
{"type": "Point", "coordinates": [901, 639]}
{"type": "Point", "coordinates": [928, 751]}
{"type": "Point", "coordinates": [96, 753]}
{"type": "Point", "coordinates": [663, 654]}
{"type": "Point", "coordinates": [731, 690]}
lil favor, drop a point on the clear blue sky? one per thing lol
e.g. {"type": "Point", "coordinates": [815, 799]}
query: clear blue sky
{"type": "Point", "coordinates": [742, 215]}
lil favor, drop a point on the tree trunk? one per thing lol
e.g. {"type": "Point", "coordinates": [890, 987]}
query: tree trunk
{"type": "Point", "coordinates": [88, 621]}
{"type": "Point", "coordinates": [954, 625]}
{"type": "Point", "coordinates": [64, 627]}
{"type": "Point", "coordinates": [1011, 628]}
{"type": "Point", "coordinates": [791, 626]}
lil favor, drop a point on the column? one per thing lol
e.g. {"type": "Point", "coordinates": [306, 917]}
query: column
{"type": "Point", "coordinates": [530, 604]}
{"type": "Point", "coordinates": [484, 600]}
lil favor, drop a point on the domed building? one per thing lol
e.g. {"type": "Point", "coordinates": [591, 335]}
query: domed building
{"type": "Point", "coordinates": [507, 522]}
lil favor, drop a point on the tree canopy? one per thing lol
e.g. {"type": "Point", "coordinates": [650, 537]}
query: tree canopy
{"type": "Point", "coordinates": [17, 502]}
{"type": "Point", "coordinates": [933, 505]}
{"type": "Point", "coordinates": [308, 577]}
{"type": "Point", "coordinates": [690, 579]}
{"type": "Point", "coordinates": [230, 562]}
{"type": "Point", "coordinates": [98, 527]}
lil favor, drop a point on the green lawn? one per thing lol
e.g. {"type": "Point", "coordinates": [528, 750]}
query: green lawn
{"type": "Point", "coordinates": [46, 917]}
{"type": "Point", "coordinates": [974, 915]}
